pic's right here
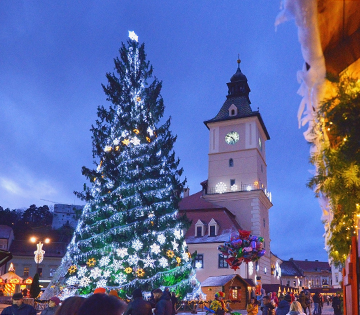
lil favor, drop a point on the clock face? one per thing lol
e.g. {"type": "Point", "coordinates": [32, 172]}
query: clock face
{"type": "Point", "coordinates": [232, 137]}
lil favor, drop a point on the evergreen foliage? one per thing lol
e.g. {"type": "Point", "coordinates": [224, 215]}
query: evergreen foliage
{"type": "Point", "coordinates": [338, 173]}
{"type": "Point", "coordinates": [130, 234]}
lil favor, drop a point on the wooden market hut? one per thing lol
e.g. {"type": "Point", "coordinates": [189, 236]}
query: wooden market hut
{"type": "Point", "coordinates": [11, 281]}
{"type": "Point", "coordinates": [237, 290]}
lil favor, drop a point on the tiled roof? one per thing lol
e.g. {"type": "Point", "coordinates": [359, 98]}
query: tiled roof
{"type": "Point", "coordinates": [5, 231]}
{"type": "Point", "coordinates": [196, 202]}
{"type": "Point", "coordinates": [25, 248]}
{"type": "Point", "coordinates": [312, 266]}
{"type": "Point", "coordinates": [288, 268]}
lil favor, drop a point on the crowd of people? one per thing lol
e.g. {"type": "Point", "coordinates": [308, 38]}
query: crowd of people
{"type": "Point", "coordinates": [290, 304]}
{"type": "Point", "coordinates": [100, 303]}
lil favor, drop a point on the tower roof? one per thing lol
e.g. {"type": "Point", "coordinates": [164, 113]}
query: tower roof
{"type": "Point", "coordinates": [238, 96]}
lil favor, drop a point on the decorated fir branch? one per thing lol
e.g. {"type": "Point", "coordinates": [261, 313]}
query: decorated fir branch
{"type": "Point", "coordinates": [130, 234]}
{"type": "Point", "coordinates": [337, 164]}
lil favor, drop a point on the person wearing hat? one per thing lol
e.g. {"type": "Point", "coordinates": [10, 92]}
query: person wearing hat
{"type": "Point", "coordinates": [138, 306]}
{"type": "Point", "coordinates": [284, 305]}
{"type": "Point", "coordinates": [100, 291]}
{"type": "Point", "coordinates": [218, 305]}
{"type": "Point", "coordinates": [53, 306]}
{"type": "Point", "coordinates": [18, 307]}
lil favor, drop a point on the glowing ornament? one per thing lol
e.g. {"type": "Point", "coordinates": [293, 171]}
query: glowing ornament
{"type": "Point", "coordinates": [116, 142]}
{"type": "Point", "coordinates": [137, 130]}
{"type": "Point", "coordinates": [185, 256]}
{"type": "Point", "coordinates": [72, 269]}
{"type": "Point", "coordinates": [148, 262]}
{"type": "Point", "coordinates": [133, 36]}
{"type": "Point", "coordinates": [91, 262]}
{"type": "Point", "coordinates": [104, 261]}
{"type": "Point", "coordinates": [220, 188]}
{"type": "Point", "coordinates": [178, 259]}
{"type": "Point", "coordinates": [163, 262]}
{"type": "Point", "coordinates": [161, 239]}
{"type": "Point", "coordinates": [126, 141]}
{"type": "Point", "coordinates": [148, 139]}
{"type": "Point", "coordinates": [117, 148]}
{"type": "Point", "coordinates": [39, 253]}
{"type": "Point", "coordinates": [120, 278]}
{"type": "Point", "coordinates": [108, 148]}
{"type": "Point", "coordinates": [122, 252]}
{"type": "Point", "coordinates": [170, 253]}
{"type": "Point", "coordinates": [135, 141]}
{"type": "Point", "coordinates": [133, 259]}
{"type": "Point", "coordinates": [101, 283]}
{"type": "Point", "coordinates": [198, 265]}
{"type": "Point", "coordinates": [95, 273]}
{"type": "Point", "coordinates": [137, 245]}
{"type": "Point", "coordinates": [234, 187]}
{"type": "Point", "coordinates": [85, 281]}
{"type": "Point", "coordinates": [140, 272]}
{"type": "Point", "coordinates": [138, 99]}
{"type": "Point", "coordinates": [128, 270]}
{"type": "Point", "coordinates": [155, 248]}
{"type": "Point", "coordinates": [150, 132]}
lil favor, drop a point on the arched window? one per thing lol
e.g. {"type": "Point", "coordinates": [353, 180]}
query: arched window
{"type": "Point", "coordinates": [231, 163]}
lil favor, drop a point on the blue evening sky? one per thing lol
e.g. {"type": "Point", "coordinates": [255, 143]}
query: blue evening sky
{"type": "Point", "coordinates": [54, 56]}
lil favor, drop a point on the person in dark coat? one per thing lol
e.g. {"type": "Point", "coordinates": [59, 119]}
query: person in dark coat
{"type": "Point", "coordinates": [163, 303]}
{"type": "Point", "coordinates": [336, 304]}
{"type": "Point", "coordinates": [268, 308]}
{"type": "Point", "coordinates": [53, 306]}
{"type": "Point", "coordinates": [102, 304]}
{"type": "Point", "coordinates": [284, 305]}
{"type": "Point", "coordinates": [138, 306]}
{"type": "Point", "coordinates": [174, 301]}
{"type": "Point", "coordinates": [18, 307]}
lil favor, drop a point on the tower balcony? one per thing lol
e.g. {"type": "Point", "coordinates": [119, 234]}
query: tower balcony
{"type": "Point", "coordinates": [222, 188]}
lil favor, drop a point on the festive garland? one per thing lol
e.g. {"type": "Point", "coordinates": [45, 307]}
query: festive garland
{"type": "Point", "coordinates": [337, 164]}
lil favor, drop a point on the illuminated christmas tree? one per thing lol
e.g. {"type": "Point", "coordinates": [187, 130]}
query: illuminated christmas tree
{"type": "Point", "coordinates": [130, 234]}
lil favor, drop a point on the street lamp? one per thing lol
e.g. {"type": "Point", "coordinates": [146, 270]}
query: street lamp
{"type": "Point", "coordinates": [39, 253]}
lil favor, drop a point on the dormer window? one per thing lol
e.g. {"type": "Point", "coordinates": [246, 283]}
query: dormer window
{"type": "Point", "coordinates": [213, 228]}
{"type": "Point", "coordinates": [199, 228]}
{"type": "Point", "coordinates": [233, 111]}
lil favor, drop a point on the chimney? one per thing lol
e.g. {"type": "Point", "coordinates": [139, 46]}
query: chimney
{"type": "Point", "coordinates": [186, 192]}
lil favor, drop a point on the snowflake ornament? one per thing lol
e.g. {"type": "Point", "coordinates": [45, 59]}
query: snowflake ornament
{"type": "Point", "coordinates": [161, 239]}
{"type": "Point", "coordinates": [148, 262]}
{"type": "Point", "coordinates": [137, 245]}
{"type": "Point", "coordinates": [185, 256]}
{"type": "Point", "coordinates": [117, 264]}
{"type": "Point", "coordinates": [135, 141]}
{"type": "Point", "coordinates": [155, 248]}
{"type": "Point", "coordinates": [178, 234]}
{"type": "Point", "coordinates": [133, 259]}
{"type": "Point", "coordinates": [150, 132]}
{"type": "Point", "coordinates": [107, 273]}
{"type": "Point", "coordinates": [72, 280]}
{"type": "Point", "coordinates": [85, 281]}
{"type": "Point", "coordinates": [101, 283]}
{"type": "Point", "coordinates": [175, 245]}
{"type": "Point", "coordinates": [120, 278]}
{"type": "Point", "coordinates": [104, 261]}
{"type": "Point", "coordinates": [82, 271]}
{"type": "Point", "coordinates": [163, 262]}
{"type": "Point", "coordinates": [95, 273]}
{"type": "Point", "coordinates": [122, 252]}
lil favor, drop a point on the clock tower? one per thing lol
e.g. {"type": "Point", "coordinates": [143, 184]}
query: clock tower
{"type": "Point", "coordinates": [237, 169]}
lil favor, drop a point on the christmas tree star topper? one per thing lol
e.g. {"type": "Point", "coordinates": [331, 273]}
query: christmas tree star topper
{"type": "Point", "coordinates": [133, 36]}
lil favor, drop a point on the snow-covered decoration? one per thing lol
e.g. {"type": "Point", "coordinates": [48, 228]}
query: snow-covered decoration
{"type": "Point", "coordinates": [161, 238]}
{"type": "Point", "coordinates": [148, 262]}
{"type": "Point", "coordinates": [155, 248]}
{"type": "Point", "coordinates": [122, 252]}
{"type": "Point", "coordinates": [311, 78]}
{"type": "Point", "coordinates": [133, 36]}
{"type": "Point", "coordinates": [220, 188]}
{"type": "Point", "coordinates": [163, 262]}
{"type": "Point", "coordinates": [104, 261]}
{"type": "Point", "coordinates": [137, 245]}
